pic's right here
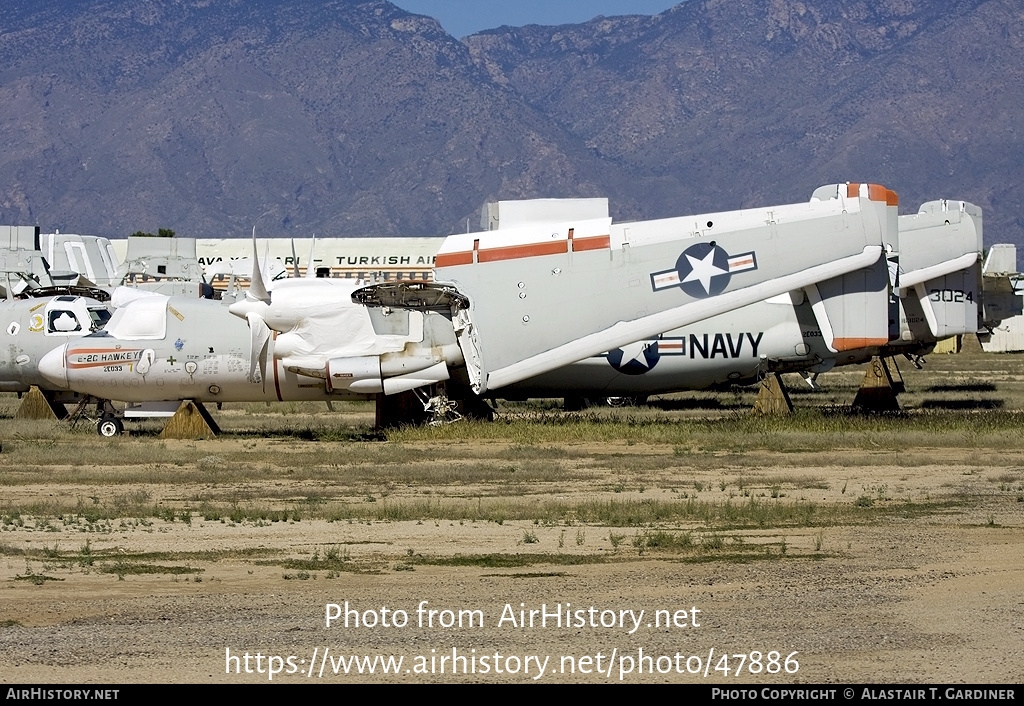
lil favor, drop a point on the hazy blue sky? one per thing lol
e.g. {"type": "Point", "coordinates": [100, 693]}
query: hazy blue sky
{"type": "Point", "coordinates": [462, 17]}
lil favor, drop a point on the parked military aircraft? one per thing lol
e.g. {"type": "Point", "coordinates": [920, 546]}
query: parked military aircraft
{"type": "Point", "coordinates": [935, 283]}
{"type": "Point", "coordinates": [53, 306]}
{"type": "Point", "coordinates": [508, 305]}
{"type": "Point", "coordinates": [76, 259]}
{"type": "Point", "coordinates": [22, 267]}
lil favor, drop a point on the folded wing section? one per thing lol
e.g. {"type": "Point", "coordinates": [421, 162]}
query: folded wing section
{"type": "Point", "coordinates": [541, 297]}
{"type": "Point", "coordinates": [940, 269]}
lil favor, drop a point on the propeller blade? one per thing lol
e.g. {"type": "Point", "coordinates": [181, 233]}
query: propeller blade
{"type": "Point", "coordinates": [257, 289]}
{"type": "Point", "coordinates": [311, 263]}
{"type": "Point", "coordinates": [260, 348]}
{"type": "Point", "coordinates": [295, 261]}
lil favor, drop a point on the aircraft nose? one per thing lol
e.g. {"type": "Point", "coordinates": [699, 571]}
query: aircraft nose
{"type": "Point", "coordinates": [53, 366]}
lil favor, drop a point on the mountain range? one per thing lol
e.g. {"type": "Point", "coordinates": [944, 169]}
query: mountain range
{"type": "Point", "coordinates": [356, 118]}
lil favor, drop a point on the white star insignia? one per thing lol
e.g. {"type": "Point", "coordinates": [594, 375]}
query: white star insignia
{"type": "Point", "coordinates": [634, 352]}
{"type": "Point", "coordinates": [704, 270]}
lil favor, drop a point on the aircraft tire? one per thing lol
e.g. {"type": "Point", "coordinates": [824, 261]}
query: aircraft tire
{"type": "Point", "coordinates": [110, 427]}
{"type": "Point", "coordinates": [633, 401]}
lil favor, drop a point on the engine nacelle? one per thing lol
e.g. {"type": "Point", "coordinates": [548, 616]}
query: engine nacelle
{"type": "Point", "coordinates": [363, 374]}
{"type": "Point", "coordinates": [360, 375]}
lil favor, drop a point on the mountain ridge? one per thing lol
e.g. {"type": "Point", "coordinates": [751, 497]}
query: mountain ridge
{"type": "Point", "coordinates": [354, 117]}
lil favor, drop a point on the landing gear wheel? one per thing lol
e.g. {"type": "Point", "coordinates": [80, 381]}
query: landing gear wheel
{"type": "Point", "coordinates": [634, 401]}
{"type": "Point", "coordinates": [110, 427]}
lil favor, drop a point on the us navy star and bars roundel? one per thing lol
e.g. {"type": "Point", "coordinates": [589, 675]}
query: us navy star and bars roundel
{"type": "Point", "coordinates": [703, 270]}
{"type": "Point", "coordinates": [635, 359]}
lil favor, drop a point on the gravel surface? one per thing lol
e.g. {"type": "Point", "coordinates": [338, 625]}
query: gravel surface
{"type": "Point", "coordinates": [934, 598]}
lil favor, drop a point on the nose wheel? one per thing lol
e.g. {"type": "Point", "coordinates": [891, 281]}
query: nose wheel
{"type": "Point", "coordinates": [110, 427]}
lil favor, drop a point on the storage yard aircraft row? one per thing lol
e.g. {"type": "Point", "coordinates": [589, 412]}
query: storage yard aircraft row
{"type": "Point", "coordinates": [382, 259]}
{"type": "Point", "coordinates": [648, 307]}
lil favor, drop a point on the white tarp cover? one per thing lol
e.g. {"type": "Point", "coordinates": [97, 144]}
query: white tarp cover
{"type": "Point", "coordinates": [319, 318]}
{"type": "Point", "coordinates": [144, 318]}
{"type": "Point", "coordinates": [121, 296]}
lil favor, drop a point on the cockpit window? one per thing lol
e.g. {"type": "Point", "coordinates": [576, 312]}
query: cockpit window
{"type": "Point", "coordinates": [62, 321]}
{"type": "Point", "coordinates": [99, 318]}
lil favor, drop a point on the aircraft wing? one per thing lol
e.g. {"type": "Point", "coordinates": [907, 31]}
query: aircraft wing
{"type": "Point", "coordinates": [541, 297]}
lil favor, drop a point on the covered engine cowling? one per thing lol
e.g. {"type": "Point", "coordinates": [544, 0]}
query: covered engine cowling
{"type": "Point", "coordinates": [363, 374]}
{"type": "Point", "coordinates": [360, 375]}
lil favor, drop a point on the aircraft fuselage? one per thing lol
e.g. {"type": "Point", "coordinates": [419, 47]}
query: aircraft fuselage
{"type": "Point", "coordinates": [31, 328]}
{"type": "Point", "coordinates": [201, 353]}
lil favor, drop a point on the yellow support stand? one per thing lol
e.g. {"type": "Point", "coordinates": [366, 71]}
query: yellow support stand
{"type": "Point", "coordinates": [879, 388]}
{"type": "Point", "coordinates": [35, 405]}
{"type": "Point", "coordinates": [191, 421]}
{"type": "Point", "coordinates": [772, 397]}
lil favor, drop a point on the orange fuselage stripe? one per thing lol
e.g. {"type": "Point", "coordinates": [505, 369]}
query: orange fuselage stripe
{"type": "Point", "coordinates": [79, 351]}
{"type": "Point", "coordinates": [594, 242]}
{"type": "Point", "coordinates": [452, 259]}
{"type": "Point", "coordinates": [515, 252]}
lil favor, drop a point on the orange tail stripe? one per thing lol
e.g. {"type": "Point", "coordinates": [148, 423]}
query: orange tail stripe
{"type": "Point", "coordinates": [875, 193]}
{"type": "Point", "coordinates": [852, 344]}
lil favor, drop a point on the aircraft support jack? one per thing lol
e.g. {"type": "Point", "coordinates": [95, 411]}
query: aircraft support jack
{"type": "Point", "coordinates": [37, 405]}
{"type": "Point", "coordinates": [191, 421]}
{"type": "Point", "coordinates": [772, 397]}
{"type": "Point", "coordinates": [971, 343]}
{"type": "Point", "coordinates": [882, 383]}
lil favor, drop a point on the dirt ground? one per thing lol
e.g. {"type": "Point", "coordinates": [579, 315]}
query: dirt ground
{"type": "Point", "coordinates": [925, 599]}
{"type": "Point", "coordinates": [929, 590]}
